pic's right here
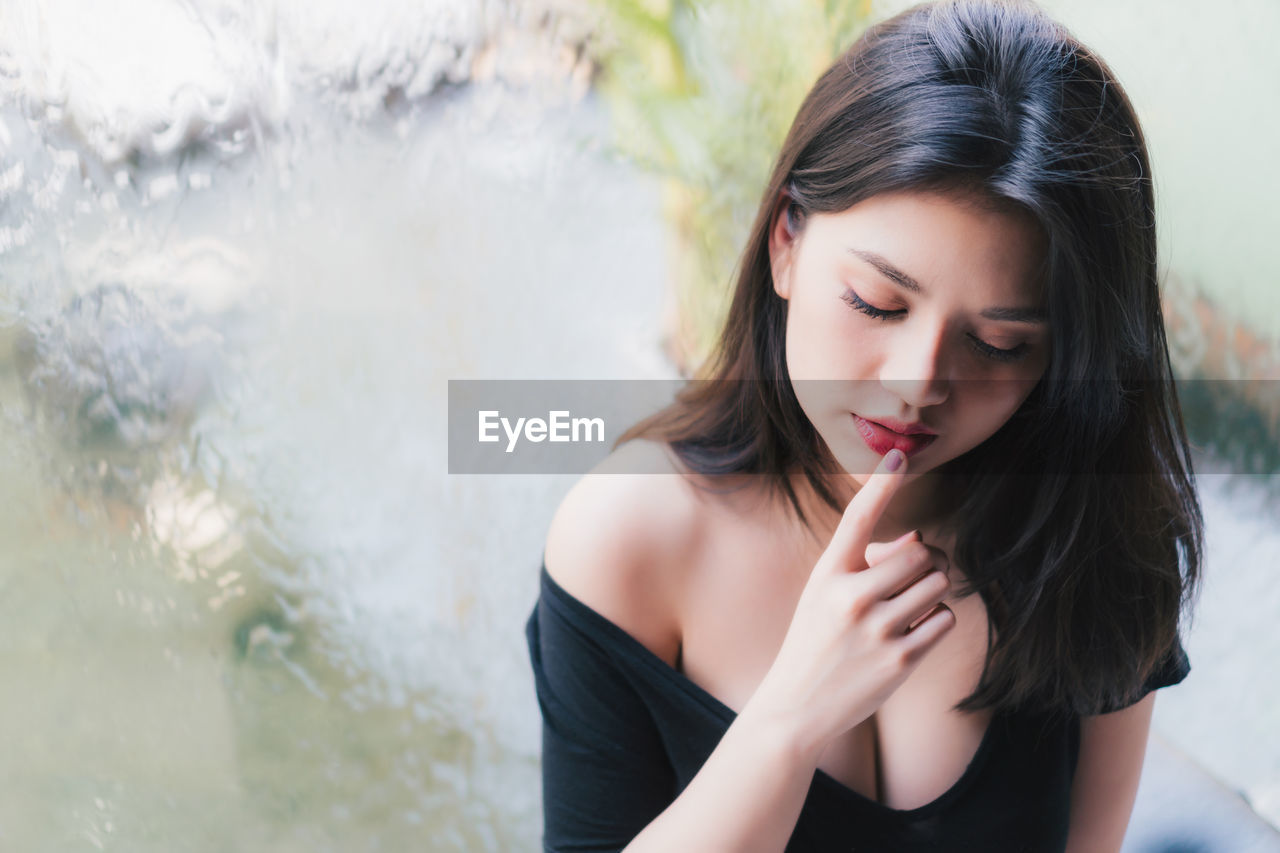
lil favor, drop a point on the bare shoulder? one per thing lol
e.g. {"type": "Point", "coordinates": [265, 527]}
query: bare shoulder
{"type": "Point", "coordinates": [622, 539]}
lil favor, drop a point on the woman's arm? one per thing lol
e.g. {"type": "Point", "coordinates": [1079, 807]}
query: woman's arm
{"type": "Point", "coordinates": [1112, 747]}
{"type": "Point", "coordinates": [747, 797]}
{"type": "Point", "coordinates": [607, 783]}
{"type": "Point", "coordinates": [605, 772]}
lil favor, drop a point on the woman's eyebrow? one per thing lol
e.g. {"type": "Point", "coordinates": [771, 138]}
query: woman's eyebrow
{"type": "Point", "coordinates": [888, 270]}
{"type": "Point", "coordinates": [898, 277]}
{"type": "Point", "coordinates": [1017, 315]}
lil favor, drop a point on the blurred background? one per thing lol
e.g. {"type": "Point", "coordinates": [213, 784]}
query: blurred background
{"type": "Point", "coordinates": [244, 245]}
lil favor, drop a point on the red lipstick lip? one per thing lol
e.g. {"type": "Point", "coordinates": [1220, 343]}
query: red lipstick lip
{"type": "Point", "coordinates": [881, 439]}
{"type": "Point", "coordinates": [901, 427]}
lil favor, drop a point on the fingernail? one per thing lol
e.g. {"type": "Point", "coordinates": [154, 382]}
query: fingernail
{"type": "Point", "coordinates": [893, 460]}
{"type": "Point", "coordinates": [904, 537]}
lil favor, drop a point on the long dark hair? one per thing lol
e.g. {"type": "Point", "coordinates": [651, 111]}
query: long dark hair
{"type": "Point", "coordinates": [1086, 556]}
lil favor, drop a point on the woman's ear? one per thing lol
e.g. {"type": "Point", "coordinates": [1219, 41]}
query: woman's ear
{"type": "Point", "coordinates": [782, 244]}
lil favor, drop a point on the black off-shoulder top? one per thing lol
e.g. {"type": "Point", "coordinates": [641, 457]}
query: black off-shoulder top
{"type": "Point", "coordinates": [623, 733]}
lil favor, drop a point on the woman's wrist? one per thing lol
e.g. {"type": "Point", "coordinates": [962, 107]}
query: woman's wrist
{"type": "Point", "coordinates": [787, 730]}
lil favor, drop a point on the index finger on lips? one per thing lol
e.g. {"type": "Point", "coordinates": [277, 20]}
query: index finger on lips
{"type": "Point", "coordinates": [853, 534]}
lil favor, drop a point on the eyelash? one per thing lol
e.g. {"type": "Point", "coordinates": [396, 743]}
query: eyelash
{"type": "Point", "coordinates": [995, 353]}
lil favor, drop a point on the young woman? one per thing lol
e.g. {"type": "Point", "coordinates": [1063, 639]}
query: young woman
{"type": "Point", "coordinates": [918, 558]}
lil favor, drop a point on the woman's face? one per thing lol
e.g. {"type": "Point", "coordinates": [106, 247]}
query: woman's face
{"type": "Point", "coordinates": [927, 309]}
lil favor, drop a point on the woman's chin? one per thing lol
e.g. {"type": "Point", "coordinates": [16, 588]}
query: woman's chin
{"type": "Point", "coordinates": [859, 467]}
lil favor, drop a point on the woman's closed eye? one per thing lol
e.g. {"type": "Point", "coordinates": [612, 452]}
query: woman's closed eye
{"type": "Point", "coordinates": [859, 304]}
{"type": "Point", "coordinates": [982, 347]}
{"type": "Point", "coordinates": [993, 352]}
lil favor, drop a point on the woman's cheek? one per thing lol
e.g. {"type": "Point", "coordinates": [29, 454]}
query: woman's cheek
{"type": "Point", "coordinates": [996, 402]}
{"type": "Point", "coordinates": [816, 347]}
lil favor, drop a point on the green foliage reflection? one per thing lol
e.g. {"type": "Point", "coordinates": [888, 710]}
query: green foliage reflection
{"type": "Point", "coordinates": [702, 93]}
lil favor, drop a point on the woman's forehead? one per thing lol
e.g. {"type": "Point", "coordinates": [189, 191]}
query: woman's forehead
{"type": "Point", "coordinates": [936, 239]}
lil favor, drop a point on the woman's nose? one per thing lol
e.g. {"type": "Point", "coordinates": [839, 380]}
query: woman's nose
{"type": "Point", "coordinates": [914, 369]}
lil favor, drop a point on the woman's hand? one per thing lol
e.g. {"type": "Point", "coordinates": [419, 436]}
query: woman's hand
{"type": "Point", "coordinates": [866, 618]}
